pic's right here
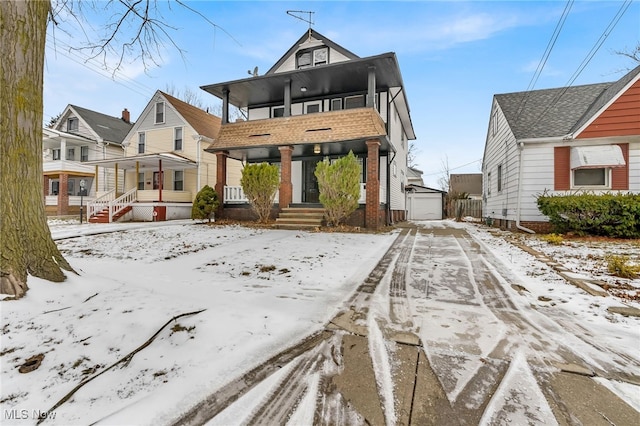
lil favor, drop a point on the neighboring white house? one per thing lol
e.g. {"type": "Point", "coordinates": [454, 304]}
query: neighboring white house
{"type": "Point", "coordinates": [78, 136]}
{"type": "Point", "coordinates": [164, 164]}
{"type": "Point", "coordinates": [560, 141]}
{"type": "Point", "coordinates": [320, 101]}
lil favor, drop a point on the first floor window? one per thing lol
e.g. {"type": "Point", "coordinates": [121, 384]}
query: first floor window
{"type": "Point", "coordinates": [84, 153]}
{"type": "Point", "coordinates": [178, 180]}
{"type": "Point", "coordinates": [55, 187]}
{"type": "Point", "coordinates": [141, 142]}
{"type": "Point", "coordinates": [590, 177]}
{"type": "Point", "coordinates": [500, 178]}
{"type": "Point", "coordinates": [140, 181]}
{"type": "Point", "coordinates": [489, 183]}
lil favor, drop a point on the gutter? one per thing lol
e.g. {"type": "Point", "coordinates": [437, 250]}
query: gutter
{"type": "Point", "coordinates": [520, 227]}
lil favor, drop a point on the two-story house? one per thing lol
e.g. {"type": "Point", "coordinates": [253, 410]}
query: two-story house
{"type": "Point", "coordinates": [320, 101]}
{"type": "Point", "coordinates": [164, 164]}
{"type": "Point", "coordinates": [78, 136]}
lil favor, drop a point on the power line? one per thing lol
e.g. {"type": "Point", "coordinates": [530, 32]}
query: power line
{"type": "Point", "coordinates": [605, 34]}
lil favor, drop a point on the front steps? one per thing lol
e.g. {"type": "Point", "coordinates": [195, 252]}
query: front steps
{"type": "Point", "coordinates": [300, 218]}
{"type": "Point", "coordinates": [103, 215]}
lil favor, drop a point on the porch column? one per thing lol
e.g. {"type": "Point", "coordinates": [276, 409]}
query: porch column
{"type": "Point", "coordinates": [371, 88]}
{"type": "Point", "coordinates": [221, 178]}
{"type": "Point", "coordinates": [225, 106]}
{"type": "Point", "coordinates": [116, 179]}
{"type": "Point", "coordinates": [160, 180]}
{"type": "Point", "coordinates": [372, 206]}
{"type": "Point", "coordinates": [96, 179]}
{"type": "Point", "coordinates": [287, 98]}
{"type": "Point", "coordinates": [286, 187]}
{"type": "Point", "coordinates": [63, 195]}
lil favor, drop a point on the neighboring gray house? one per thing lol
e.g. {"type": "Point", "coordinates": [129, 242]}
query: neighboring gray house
{"type": "Point", "coordinates": [78, 136]}
{"type": "Point", "coordinates": [560, 141]}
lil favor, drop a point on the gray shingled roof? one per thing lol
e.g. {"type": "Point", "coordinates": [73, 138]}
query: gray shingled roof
{"type": "Point", "coordinates": [557, 112]}
{"type": "Point", "coordinates": [111, 129]}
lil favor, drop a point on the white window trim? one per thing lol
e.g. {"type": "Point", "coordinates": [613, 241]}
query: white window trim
{"type": "Point", "coordinates": [275, 108]}
{"type": "Point", "coordinates": [155, 113]}
{"type": "Point", "coordinates": [174, 180]}
{"type": "Point", "coordinates": [307, 104]}
{"type": "Point", "coordinates": [144, 136]}
{"type": "Point", "coordinates": [607, 177]}
{"type": "Point", "coordinates": [175, 129]}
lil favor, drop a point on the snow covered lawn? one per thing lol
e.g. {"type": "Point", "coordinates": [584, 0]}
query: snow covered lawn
{"type": "Point", "coordinates": [261, 291]}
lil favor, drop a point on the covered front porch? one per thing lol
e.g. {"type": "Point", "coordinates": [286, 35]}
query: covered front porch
{"type": "Point", "coordinates": [146, 187]}
{"type": "Point", "coordinates": [280, 144]}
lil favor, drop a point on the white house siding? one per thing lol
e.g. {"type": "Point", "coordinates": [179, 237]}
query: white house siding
{"type": "Point", "coordinates": [399, 179]}
{"type": "Point", "coordinates": [500, 149]}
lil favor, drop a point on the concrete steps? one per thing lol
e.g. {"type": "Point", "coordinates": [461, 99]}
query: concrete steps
{"type": "Point", "coordinates": [300, 218]}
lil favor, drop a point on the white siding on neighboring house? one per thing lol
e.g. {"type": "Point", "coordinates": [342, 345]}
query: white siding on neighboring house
{"type": "Point", "coordinates": [634, 167]}
{"type": "Point", "coordinates": [398, 177]}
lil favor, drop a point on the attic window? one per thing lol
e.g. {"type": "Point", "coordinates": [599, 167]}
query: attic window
{"type": "Point", "coordinates": [72, 124]}
{"type": "Point", "coordinates": [308, 58]}
{"type": "Point", "coordinates": [159, 112]}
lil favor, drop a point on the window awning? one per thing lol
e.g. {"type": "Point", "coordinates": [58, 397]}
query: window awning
{"type": "Point", "coordinates": [596, 157]}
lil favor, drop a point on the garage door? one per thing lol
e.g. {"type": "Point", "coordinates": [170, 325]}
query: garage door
{"type": "Point", "coordinates": [425, 206]}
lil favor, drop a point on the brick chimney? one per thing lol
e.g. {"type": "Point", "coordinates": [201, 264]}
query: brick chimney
{"type": "Point", "coordinates": [126, 117]}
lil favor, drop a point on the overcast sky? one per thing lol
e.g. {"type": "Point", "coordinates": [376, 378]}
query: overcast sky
{"type": "Point", "coordinates": [454, 56]}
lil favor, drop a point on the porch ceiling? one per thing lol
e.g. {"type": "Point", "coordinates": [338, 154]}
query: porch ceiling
{"type": "Point", "coordinates": [342, 77]}
{"type": "Point", "coordinates": [148, 161]}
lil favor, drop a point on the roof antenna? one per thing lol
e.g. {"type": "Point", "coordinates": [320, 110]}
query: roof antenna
{"type": "Point", "coordinates": [299, 14]}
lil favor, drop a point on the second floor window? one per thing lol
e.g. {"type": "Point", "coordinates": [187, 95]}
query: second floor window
{"type": "Point", "coordinates": [177, 140]}
{"type": "Point", "coordinates": [56, 154]}
{"type": "Point", "coordinates": [277, 112]}
{"type": "Point", "coordinates": [159, 112]}
{"type": "Point", "coordinates": [500, 178]}
{"type": "Point", "coordinates": [141, 142]}
{"type": "Point", "coordinates": [84, 153]}
{"type": "Point", "coordinates": [71, 154]}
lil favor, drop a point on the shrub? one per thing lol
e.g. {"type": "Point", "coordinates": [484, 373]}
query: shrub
{"type": "Point", "coordinates": [260, 183]}
{"type": "Point", "coordinates": [553, 239]}
{"type": "Point", "coordinates": [611, 215]}
{"type": "Point", "coordinates": [339, 185]}
{"type": "Point", "coordinates": [620, 267]}
{"type": "Point", "coordinates": [205, 204]}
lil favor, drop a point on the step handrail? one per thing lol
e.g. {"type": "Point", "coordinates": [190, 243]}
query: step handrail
{"type": "Point", "coordinates": [122, 202]}
{"type": "Point", "coordinates": [100, 203]}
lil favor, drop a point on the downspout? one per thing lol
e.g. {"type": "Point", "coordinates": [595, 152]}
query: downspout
{"type": "Point", "coordinates": [520, 227]}
{"type": "Point", "coordinates": [198, 161]}
{"type": "Point", "coordinates": [388, 192]}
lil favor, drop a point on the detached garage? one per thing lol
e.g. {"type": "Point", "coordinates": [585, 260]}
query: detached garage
{"type": "Point", "coordinates": [424, 203]}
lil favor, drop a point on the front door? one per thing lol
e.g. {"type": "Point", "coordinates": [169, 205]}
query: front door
{"type": "Point", "coordinates": [310, 192]}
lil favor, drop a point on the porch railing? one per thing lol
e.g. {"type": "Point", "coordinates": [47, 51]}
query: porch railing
{"type": "Point", "coordinates": [235, 195]}
{"type": "Point", "coordinates": [101, 202]}
{"type": "Point", "coordinates": [122, 202]}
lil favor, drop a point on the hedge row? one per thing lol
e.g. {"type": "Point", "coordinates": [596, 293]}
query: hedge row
{"type": "Point", "coordinates": [611, 215]}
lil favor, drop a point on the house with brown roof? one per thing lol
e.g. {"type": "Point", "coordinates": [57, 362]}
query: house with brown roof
{"type": "Point", "coordinates": [164, 164]}
{"type": "Point", "coordinates": [318, 102]}
{"type": "Point", "coordinates": [560, 141]}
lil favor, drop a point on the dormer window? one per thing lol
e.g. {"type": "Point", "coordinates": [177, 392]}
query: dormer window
{"type": "Point", "coordinates": [312, 57]}
{"type": "Point", "coordinates": [72, 124]}
{"type": "Point", "coordinates": [159, 112]}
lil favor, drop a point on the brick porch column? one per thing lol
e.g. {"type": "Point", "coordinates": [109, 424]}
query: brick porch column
{"type": "Point", "coordinates": [372, 205]}
{"type": "Point", "coordinates": [286, 187]}
{"type": "Point", "coordinates": [221, 178]}
{"type": "Point", "coordinates": [63, 195]}
{"type": "Point", "coordinates": [45, 185]}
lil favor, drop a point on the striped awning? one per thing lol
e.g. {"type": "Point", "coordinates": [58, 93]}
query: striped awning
{"type": "Point", "coordinates": [596, 157]}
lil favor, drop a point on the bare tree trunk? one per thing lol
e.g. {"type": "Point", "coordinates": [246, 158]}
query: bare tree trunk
{"type": "Point", "coordinates": [26, 246]}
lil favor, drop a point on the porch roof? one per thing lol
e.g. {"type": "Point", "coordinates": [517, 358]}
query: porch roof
{"type": "Point", "coordinates": [148, 161]}
{"type": "Point", "coordinates": [336, 131]}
